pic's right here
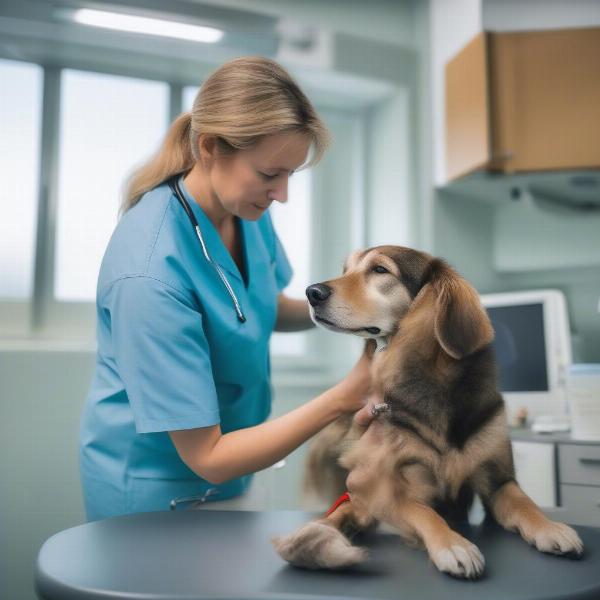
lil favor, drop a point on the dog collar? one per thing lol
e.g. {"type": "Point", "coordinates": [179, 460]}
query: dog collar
{"type": "Point", "coordinates": [377, 409]}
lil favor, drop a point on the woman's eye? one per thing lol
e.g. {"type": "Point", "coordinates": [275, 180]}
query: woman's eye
{"type": "Point", "coordinates": [267, 176]}
{"type": "Point", "coordinates": [380, 269]}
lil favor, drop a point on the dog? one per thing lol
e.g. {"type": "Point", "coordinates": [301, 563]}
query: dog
{"type": "Point", "coordinates": [443, 437]}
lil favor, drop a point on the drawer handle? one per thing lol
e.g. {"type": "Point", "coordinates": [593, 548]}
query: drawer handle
{"type": "Point", "coordinates": [590, 461]}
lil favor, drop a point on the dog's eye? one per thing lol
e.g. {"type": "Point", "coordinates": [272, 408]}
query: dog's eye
{"type": "Point", "coordinates": [380, 269]}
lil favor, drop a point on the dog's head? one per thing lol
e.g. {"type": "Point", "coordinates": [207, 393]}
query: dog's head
{"type": "Point", "coordinates": [381, 285]}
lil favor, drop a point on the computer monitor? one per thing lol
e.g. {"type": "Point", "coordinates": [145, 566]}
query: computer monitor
{"type": "Point", "coordinates": [533, 349]}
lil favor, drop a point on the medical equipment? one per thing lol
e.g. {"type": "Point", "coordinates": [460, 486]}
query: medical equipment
{"type": "Point", "coordinates": [533, 346]}
{"type": "Point", "coordinates": [174, 185]}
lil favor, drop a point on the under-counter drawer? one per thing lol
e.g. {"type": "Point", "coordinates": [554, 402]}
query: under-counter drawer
{"type": "Point", "coordinates": [582, 500]}
{"type": "Point", "coordinates": [579, 463]}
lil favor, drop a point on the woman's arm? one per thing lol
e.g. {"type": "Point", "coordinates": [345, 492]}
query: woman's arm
{"type": "Point", "coordinates": [292, 314]}
{"type": "Point", "coordinates": [219, 458]}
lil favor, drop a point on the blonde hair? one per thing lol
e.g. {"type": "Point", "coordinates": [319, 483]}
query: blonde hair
{"type": "Point", "coordinates": [241, 102]}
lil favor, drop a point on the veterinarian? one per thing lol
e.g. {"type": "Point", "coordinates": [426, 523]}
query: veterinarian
{"type": "Point", "coordinates": [189, 292]}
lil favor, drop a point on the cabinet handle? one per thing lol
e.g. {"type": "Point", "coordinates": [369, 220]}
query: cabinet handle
{"type": "Point", "coordinates": [590, 461]}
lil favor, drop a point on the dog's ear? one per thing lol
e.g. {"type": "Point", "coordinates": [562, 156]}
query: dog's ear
{"type": "Point", "coordinates": [461, 324]}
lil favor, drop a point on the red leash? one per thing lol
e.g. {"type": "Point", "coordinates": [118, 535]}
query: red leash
{"type": "Point", "coordinates": [345, 497]}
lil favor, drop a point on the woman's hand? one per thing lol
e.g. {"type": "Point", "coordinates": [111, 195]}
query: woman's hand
{"type": "Point", "coordinates": [355, 387]}
{"type": "Point", "coordinates": [364, 416]}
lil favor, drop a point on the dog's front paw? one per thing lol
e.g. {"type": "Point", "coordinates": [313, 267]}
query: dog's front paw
{"type": "Point", "coordinates": [556, 538]}
{"type": "Point", "coordinates": [460, 558]}
{"type": "Point", "coordinates": [318, 546]}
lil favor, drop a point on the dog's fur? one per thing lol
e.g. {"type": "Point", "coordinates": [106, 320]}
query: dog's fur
{"type": "Point", "coordinates": [445, 436]}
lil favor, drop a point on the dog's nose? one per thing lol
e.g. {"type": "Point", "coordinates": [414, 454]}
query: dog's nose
{"type": "Point", "coordinates": [317, 293]}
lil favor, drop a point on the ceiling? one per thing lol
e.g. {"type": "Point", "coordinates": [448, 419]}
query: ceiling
{"type": "Point", "coordinates": [42, 31]}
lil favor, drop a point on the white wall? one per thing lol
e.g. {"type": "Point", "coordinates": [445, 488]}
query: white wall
{"type": "Point", "coordinates": [41, 398]}
{"type": "Point", "coordinates": [522, 15]}
{"type": "Point", "coordinates": [389, 174]}
{"type": "Point", "coordinates": [453, 23]}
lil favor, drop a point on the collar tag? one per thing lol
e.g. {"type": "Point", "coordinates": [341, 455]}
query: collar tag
{"type": "Point", "coordinates": [377, 409]}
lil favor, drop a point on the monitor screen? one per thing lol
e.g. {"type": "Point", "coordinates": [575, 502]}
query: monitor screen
{"type": "Point", "coordinates": [520, 346]}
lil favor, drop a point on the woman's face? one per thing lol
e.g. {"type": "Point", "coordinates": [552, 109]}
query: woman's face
{"type": "Point", "coordinates": [248, 181]}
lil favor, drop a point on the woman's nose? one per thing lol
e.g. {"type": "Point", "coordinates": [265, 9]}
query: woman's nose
{"type": "Point", "coordinates": [317, 293]}
{"type": "Point", "coordinates": [281, 191]}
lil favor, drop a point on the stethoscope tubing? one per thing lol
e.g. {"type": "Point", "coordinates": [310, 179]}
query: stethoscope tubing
{"type": "Point", "coordinates": [174, 186]}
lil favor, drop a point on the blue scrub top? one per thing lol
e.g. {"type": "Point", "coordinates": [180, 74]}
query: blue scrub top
{"type": "Point", "coordinates": [172, 353]}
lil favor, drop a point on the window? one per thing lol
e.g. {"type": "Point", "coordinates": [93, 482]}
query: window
{"type": "Point", "coordinates": [188, 95]}
{"type": "Point", "coordinates": [292, 222]}
{"type": "Point", "coordinates": [20, 123]}
{"type": "Point", "coordinates": [108, 126]}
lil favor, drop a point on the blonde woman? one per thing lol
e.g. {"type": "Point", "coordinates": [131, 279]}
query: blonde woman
{"type": "Point", "coordinates": [189, 292]}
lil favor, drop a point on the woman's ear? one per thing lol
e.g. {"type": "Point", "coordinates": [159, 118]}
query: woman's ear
{"type": "Point", "coordinates": [207, 149]}
{"type": "Point", "coordinates": [461, 324]}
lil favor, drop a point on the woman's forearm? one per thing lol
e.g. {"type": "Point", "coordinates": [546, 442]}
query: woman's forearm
{"type": "Point", "coordinates": [255, 448]}
{"type": "Point", "coordinates": [292, 314]}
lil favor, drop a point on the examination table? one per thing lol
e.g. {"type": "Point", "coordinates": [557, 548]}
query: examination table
{"type": "Point", "coordinates": [218, 554]}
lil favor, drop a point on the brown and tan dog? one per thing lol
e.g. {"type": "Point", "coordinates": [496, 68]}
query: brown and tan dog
{"type": "Point", "coordinates": [444, 436]}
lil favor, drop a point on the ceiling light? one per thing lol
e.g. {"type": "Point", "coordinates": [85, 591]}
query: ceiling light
{"type": "Point", "coordinates": [135, 24]}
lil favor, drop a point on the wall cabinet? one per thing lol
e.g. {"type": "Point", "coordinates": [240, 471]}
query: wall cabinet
{"type": "Point", "coordinates": [525, 101]}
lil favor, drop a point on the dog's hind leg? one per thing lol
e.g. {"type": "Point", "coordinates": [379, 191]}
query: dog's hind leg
{"type": "Point", "coordinates": [325, 543]}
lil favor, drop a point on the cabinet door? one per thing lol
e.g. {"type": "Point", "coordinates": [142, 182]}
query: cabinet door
{"type": "Point", "coordinates": [535, 467]}
{"type": "Point", "coordinates": [467, 109]}
{"type": "Point", "coordinates": [545, 90]}
{"type": "Point", "coordinates": [580, 464]}
{"type": "Point", "coordinates": [583, 502]}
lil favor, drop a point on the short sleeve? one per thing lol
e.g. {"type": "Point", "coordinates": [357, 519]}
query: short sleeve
{"type": "Point", "coordinates": [162, 356]}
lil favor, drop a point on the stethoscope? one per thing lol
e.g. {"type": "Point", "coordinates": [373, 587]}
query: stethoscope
{"type": "Point", "coordinates": [174, 185]}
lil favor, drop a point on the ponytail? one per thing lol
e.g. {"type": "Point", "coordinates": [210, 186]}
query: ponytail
{"type": "Point", "coordinates": [174, 157]}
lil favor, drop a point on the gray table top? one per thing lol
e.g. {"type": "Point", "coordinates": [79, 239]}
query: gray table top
{"type": "Point", "coordinates": [525, 434]}
{"type": "Point", "coordinates": [227, 555]}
